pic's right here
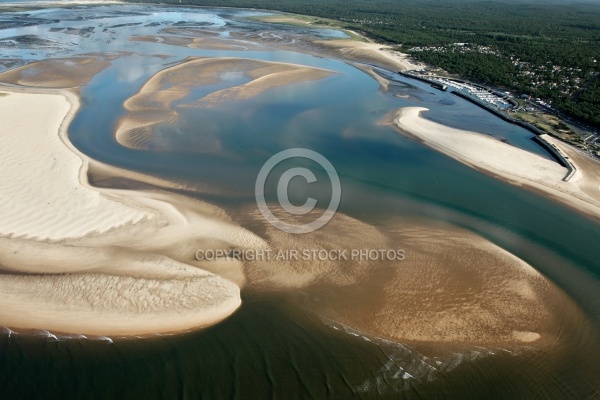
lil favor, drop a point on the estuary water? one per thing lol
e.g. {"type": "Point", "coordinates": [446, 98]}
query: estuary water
{"type": "Point", "coordinates": [270, 348]}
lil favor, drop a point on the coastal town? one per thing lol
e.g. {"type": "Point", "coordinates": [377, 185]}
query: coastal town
{"type": "Point", "coordinates": [533, 114]}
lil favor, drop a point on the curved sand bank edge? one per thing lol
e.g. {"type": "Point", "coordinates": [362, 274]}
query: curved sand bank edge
{"type": "Point", "coordinates": [516, 166]}
{"type": "Point", "coordinates": [41, 173]}
{"type": "Point", "coordinates": [384, 83]}
{"type": "Point", "coordinates": [153, 104]}
{"type": "Point", "coordinates": [492, 312]}
{"type": "Point", "coordinates": [380, 54]}
{"type": "Point", "coordinates": [453, 289]}
{"type": "Point", "coordinates": [138, 279]}
{"type": "Point", "coordinates": [128, 279]}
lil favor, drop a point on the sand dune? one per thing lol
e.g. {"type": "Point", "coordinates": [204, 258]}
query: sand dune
{"type": "Point", "coordinates": [114, 261]}
{"type": "Point", "coordinates": [510, 163]}
{"type": "Point", "coordinates": [51, 204]}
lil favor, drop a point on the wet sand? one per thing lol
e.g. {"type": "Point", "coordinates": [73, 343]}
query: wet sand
{"type": "Point", "coordinates": [153, 104]}
{"type": "Point", "coordinates": [384, 83]}
{"type": "Point", "coordinates": [458, 317]}
{"type": "Point", "coordinates": [58, 72]}
{"type": "Point", "coordinates": [452, 289]}
{"type": "Point", "coordinates": [132, 274]}
{"type": "Point", "coordinates": [194, 43]}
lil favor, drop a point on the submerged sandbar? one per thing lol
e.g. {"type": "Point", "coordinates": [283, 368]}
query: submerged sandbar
{"type": "Point", "coordinates": [58, 72]}
{"type": "Point", "coordinates": [153, 103]}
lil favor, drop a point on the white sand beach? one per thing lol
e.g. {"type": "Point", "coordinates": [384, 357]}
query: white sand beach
{"type": "Point", "coordinates": [40, 196]}
{"type": "Point", "coordinates": [78, 259]}
{"type": "Point", "coordinates": [380, 54]}
{"type": "Point", "coordinates": [517, 166]}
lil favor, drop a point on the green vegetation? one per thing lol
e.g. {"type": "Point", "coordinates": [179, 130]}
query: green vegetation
{"type": "Point", "coordinates": [304, 20]}
{"type": "Point", "coordinates": [551, 124]}
{"type": "Point", "coordinates": [548, 50]}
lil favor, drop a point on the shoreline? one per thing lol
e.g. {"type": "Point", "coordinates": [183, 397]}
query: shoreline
{"type": "Point", "coordinates": [122, 280]}
{"type": "Point", "coordinates": [122, 283]}
{"type": "Point", "coordinates": [379, 54]}
{"type": "Point", "coordinates": [153, 256]}
{"type": "Point", "coordinates": [506, 162]}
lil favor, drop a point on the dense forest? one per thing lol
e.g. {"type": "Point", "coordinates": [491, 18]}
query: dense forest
{"type": "Point", "coordinates": [548, 50]}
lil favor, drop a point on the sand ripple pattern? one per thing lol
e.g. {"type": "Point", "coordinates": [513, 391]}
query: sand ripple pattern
{"type": "Point", "coordinates": [40, 196]}
{"type": "Point", "coordinates": [78, 259]}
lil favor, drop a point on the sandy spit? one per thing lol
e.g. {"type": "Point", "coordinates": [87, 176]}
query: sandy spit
{"type": "Point", "coordinates": [379, 54]}
{"type": "Point", "coordinates": [514, 165]}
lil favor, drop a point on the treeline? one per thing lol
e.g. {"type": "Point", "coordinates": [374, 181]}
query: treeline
{"type": "Point", "coordinates": [587, 106]}
{"type": "Point", "coordinates": [539, 35]}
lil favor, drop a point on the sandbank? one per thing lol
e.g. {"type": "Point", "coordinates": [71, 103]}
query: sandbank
{"type": "Point", "coordinates": [384, 83]}
{"type": "Point", "coordinates": [58, 72]}
{"type": "Point", "coordinates": [452, 289]}
{"type": "Point", "coordinates": [514, 165]}
{"type": "Point", "coordinates": [51, 204]}
{"type": "Point", "coordinates": [79, 259]}
{"type": "Point", "coordinates": [193, 43]}
{"type": "Point", "coordinates": [379, 54]}
{"type": "Point", "coordinates": [153, 103]}
{"type": "Point", "coordinates": [134, 274]}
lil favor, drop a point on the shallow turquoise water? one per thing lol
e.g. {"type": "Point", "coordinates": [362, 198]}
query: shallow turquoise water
{"type": "Point", "coordinates": [269, 348]}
